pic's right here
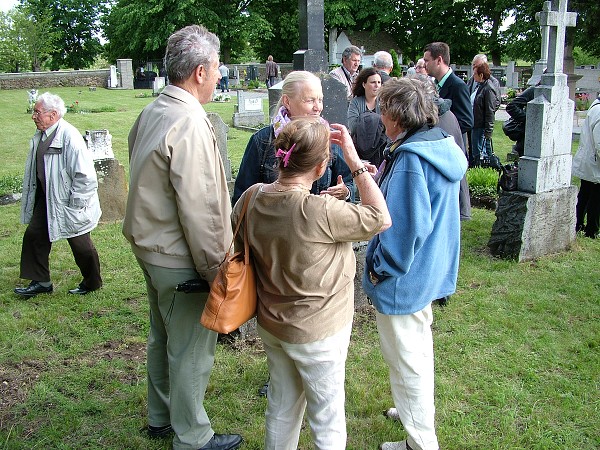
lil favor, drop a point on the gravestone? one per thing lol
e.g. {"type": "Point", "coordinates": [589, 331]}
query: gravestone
{"type": "Point", "coordinates": [125, 68]}
{"type": "Point", "coordinates": [113, 80]}
{"type": "Point", "coordinates": [249, 110]}
{"type": "Point", "coordinates": [539, 218]}
{"type": "Point", "coordinates": [512, 76]}
{"type": "Point", "coordinates": [158, 84]}
{"type": "Point", "coordinates": [112, 183]}
{"type": "Point", "coordinates": [540, 64]}
{"type": "Point", "coordinates": [335, 100]}
{"type": "Point", "coordinates": [221, 130]}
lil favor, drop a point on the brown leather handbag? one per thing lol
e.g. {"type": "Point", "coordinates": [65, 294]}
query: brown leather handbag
{"type": "Point", "coordinates": [232, 298]}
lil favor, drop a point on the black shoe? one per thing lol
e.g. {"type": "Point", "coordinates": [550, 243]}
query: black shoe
{"type": "Point", "coordinates": [159, 432]}
{"type": "Point", "coordinates": [33, 289]}
{"type": "Point", "coordinates": [441, 301]}
{"type": "Point", "coordinates": [264, 389]}
{"type": "Point", "coordinates": [80, 290]}
{"type": "Point", "coordinates": [223, 442]}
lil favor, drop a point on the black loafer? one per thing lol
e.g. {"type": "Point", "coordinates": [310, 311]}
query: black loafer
{"type": "Point", "coordinates": [223, 442]}
{"type": "Point", "coordinates": [159, 432]}
{"type": "Point", "coordinates": [80, 290]}
{"type": "Point", "coordinates": [33, 289]}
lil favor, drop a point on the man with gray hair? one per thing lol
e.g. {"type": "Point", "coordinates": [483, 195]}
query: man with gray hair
{"type": "Point", "coordinates": [384, 64]}
{"type": "Point", "coordinates": [60, 200]}
{"type": "Point", "coordinates": [348, 71]}
{"type": "Point", "coordinates": [178, 224]}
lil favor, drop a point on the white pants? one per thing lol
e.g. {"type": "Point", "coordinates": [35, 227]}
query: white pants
{"type": "Point", "coordinates": [407, 347]}
{"type": "Point", "coordinates": [306, 376]}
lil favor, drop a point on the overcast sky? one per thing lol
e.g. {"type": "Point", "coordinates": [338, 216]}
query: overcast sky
{"type": "Point", "coordinates": [5, 5]}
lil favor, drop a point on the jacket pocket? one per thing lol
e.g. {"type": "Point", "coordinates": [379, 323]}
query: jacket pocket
{"type": "Point", "coordinates": [64, 186]}
{"type": "Point", "coordinates": [77, 220]}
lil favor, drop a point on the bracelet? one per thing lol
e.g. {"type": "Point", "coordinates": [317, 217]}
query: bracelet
{"type": "Point", "coordinates": [357, 172]}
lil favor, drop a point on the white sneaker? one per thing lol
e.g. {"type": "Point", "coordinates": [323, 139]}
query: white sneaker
{"type": "Point", "coordinates": [392, 413]}
{"type": "Point", "coordinates": [393, 446]}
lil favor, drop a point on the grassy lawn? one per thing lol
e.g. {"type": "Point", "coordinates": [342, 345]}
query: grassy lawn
{"type": "Point", "coordinates": [517, 347]}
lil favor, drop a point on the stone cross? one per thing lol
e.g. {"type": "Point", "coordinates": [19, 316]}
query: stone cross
{"type": "Point", "coordinates": [540, 64]}
{"type": "Point", "coordinates": [539, 218]}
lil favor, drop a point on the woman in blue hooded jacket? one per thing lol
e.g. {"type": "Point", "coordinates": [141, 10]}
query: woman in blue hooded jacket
{"type": "Point", "coordinates": [416, 260]}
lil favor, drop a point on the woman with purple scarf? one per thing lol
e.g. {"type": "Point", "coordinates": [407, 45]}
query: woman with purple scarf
{"type": "Point", "coordinates": [301, 96]}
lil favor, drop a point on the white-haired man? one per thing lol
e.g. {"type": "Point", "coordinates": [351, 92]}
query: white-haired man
{"type": "Point", "coordinates": [384, 63]}
{"type": "Point", "coordinates": [60, 200]}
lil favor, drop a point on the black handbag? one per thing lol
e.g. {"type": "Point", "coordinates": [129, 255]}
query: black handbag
{"type": "Point", "coordinates": [492, 159]}
{"type": "Point", "coordinates": [509, 178]}
{"type": "Point", "coordinates": [513, 129]}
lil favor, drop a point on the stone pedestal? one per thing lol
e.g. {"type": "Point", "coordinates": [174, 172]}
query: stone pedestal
{"type": "Point", "coordinates": [532, 225]}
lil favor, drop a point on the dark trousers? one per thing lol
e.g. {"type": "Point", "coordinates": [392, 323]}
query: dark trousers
{"type": "Point", "coordinates": [35, 251]}
{"type": "Point", "coordinates": [588, 204]}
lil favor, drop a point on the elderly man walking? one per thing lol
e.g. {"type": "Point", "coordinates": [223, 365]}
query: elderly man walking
{"type": "Point", "coordinates": [178, 224]}
{"type": "Point", "coordinates": [60, 200]}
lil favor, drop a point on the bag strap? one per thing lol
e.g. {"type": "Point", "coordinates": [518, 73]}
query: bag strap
{"type": "Point", "coordinates": [239, 222]}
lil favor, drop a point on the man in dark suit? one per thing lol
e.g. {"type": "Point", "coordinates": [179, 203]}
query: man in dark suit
{"type": "Point", "coordinates": [450, 86]}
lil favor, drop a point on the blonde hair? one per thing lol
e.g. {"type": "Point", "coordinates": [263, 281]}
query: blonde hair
{"type": "Point", "coordinates": [308, 140]}
{"type": "Point", "coordinates": [292, 85]}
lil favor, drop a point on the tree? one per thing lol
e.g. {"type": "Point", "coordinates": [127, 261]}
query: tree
{"type": "Point", "coordinates": [139, 29]}
{"type": "Point", "coordinates": [77, 27]}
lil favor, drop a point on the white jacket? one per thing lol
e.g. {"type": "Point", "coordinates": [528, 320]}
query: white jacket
{"type": "Point", "coordinates": [586, 162]}
{"type": "Point", "coordinates": [71, 184]}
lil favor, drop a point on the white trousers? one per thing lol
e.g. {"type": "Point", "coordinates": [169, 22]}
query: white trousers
{"type": "Point", "coordinates": [407, 347]}
{"type": "Point", "coordinates": [306, 376]}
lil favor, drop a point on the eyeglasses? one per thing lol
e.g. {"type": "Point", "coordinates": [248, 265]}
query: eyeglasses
{"type": "Point", "coordinates": [37, 113]}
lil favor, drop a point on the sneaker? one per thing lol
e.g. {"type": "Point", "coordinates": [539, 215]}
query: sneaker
{"type": "Point", "coordinates": [392, 413]}
{"type": "Point", "coordinates": [403, 445]}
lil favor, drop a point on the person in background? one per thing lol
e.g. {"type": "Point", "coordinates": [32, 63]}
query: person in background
{"type": "Point", "coordinates": [481, 58]}
{"type": "Point", "coordinates": [364, 121]}
{"type": "Point", "coordinates": [301, 95]}
{"type": "Point", "coordinates": [586, 166]}
{"type": "Point", "coordinates": [178, 224]}
{"type": "Point", "coordinates": [60, 200]}
{"type": "Point", "coordinates": [484, 100]}
{"type": "Point", "coordinates": [301, 245]}
{"type": "Point", "coordinates": [348, 71]}
{"type": "Point", "coordinates": [449, 85]}
{"type": "Point", "coordinates": [517, 109]}
{"type": "Point", "coordinates": [411, 69]}
{"type": "Point", "coordinates": [224, 71]}
{"type": "Point", "coordinates": [271, 71]}
{"type": "Point", "coordinates": [384, 63]}
{"type": "Point", "coordinates": [420, 67]}
{"type": "Point", "coordinates": [416, 260]}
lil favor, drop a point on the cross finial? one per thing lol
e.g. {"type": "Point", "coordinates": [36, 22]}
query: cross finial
{"type": "Point", "coordinates": [557, 19]}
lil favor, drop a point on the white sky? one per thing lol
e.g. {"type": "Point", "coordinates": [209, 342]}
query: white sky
{"type": "Point", "coordinates": [5, 5]}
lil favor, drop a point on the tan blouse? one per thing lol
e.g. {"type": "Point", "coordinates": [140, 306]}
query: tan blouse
{"type": "Point", "coordinates": [302, 249]}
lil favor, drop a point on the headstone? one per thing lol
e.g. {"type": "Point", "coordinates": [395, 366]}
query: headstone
{"type": "Point", "coordinates": [249, 110]}
{"type": "Point", "coordinates": [540, 64]}
{"type": "Point", "coordinates": [125, 68]}
{"type": "Point", "coordinates": [99, 142]}
{"type": "Point", "coordinates": [311, 56]}
{"type": "Point", "coordinates": [158, 84]}
{"type": "Point", "coordinates": [221, 130]}
{"type": "Point", "coordinates": [113, 80]}
{"type": "Point", "coordinates": [112, 183]}
{"type": "Point", "coordinates": [512, 76]}
{"type": "Point", "coordinates": [539, 218]}
{"type": "Point", "coordinates": [335, 100]}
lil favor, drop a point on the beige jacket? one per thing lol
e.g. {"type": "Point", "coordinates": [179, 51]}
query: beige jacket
{"type": "Point", "coordinates": [178, 208]}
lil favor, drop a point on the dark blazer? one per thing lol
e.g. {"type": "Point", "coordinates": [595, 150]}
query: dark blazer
{"type": "Point", "coordinates": [456, 90]}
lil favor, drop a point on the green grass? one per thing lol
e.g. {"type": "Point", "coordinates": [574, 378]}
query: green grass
{"type": "Point", "coordinates": [517, 347]}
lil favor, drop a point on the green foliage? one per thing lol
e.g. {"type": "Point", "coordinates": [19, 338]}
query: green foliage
{"type": "Point", "coordinates": [10, 184]}
{"type": "Point", "coordinates": [396, 69]}
{"type": "Point", "coordinates": [483, 181]}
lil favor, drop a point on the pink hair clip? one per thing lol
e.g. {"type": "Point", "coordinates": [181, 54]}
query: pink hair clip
{"type": "Point", "coordinates": [285, 155]}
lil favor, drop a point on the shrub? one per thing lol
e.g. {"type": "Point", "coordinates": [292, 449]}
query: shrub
{"type": "Point", "coordinates": [11, 184]}
{"type": "Point", "coordinates": [396, 70]}
{"type": "Point", "coordinates": [483, 181]}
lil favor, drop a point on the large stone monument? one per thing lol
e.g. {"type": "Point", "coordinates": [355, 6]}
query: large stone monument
{"type": "Point", "coordinates": [539, 218]}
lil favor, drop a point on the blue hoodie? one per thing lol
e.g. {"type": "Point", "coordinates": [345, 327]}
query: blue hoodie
{"type": "Point", "coordinates": [416, 260]}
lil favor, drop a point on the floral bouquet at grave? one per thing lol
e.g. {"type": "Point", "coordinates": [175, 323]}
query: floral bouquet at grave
{"type": "Point", "coordinates": [32, 95]}
{"type": "Point", "coordinates": [222, 98]}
